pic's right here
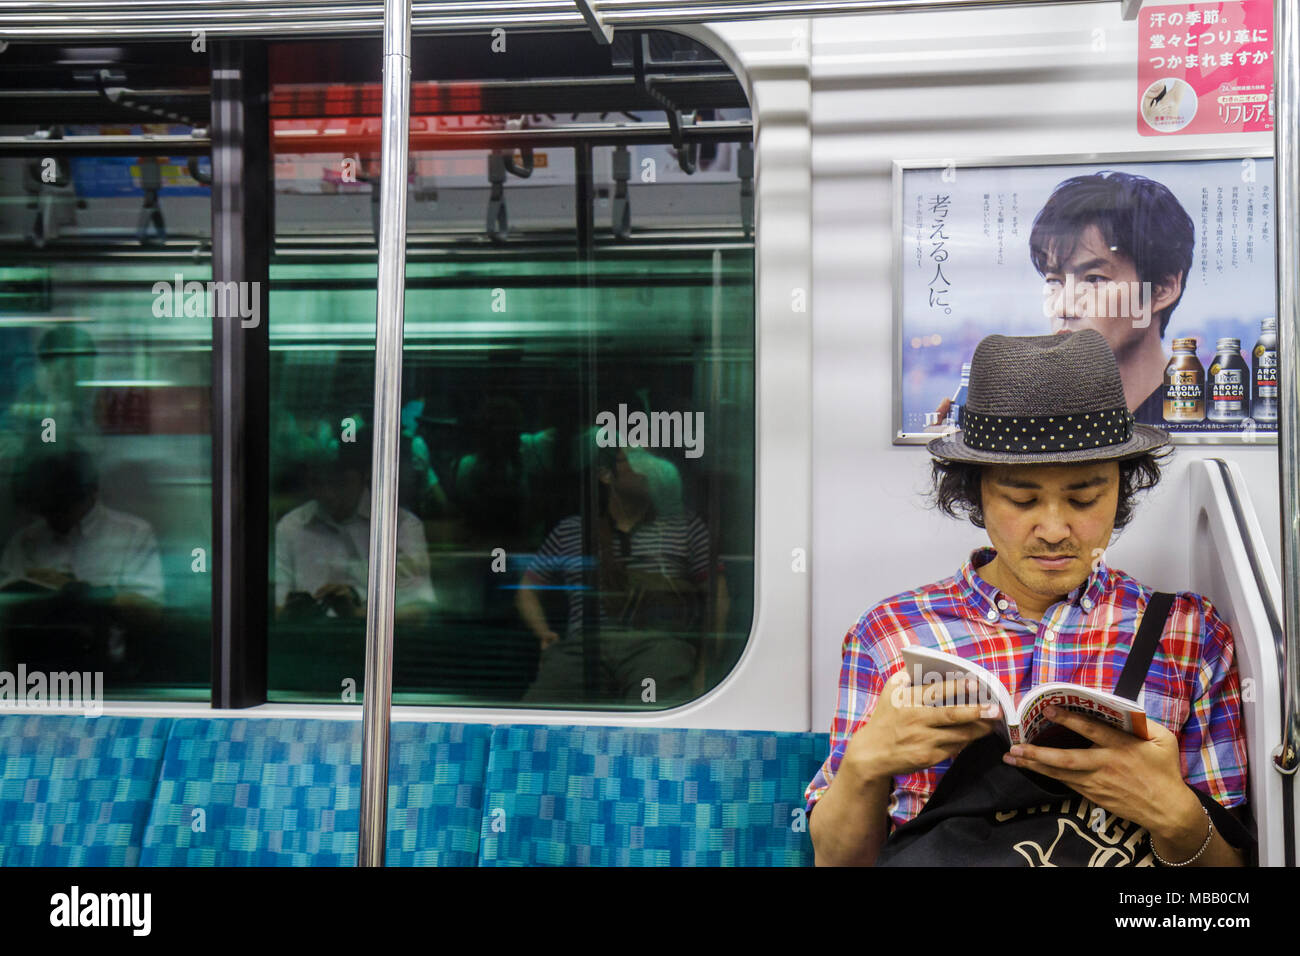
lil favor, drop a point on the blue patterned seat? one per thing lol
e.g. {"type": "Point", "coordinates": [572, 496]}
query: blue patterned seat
{"type": "Point", "coordinates": [76, 791]}
{"type": "Point", "coordinates": [611, 796]}
{"type": "Point", "coordinates": [287, 793]}
{"type": "Point", "coordinates": [79, 792]}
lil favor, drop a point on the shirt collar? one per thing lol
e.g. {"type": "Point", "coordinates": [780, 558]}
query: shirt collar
{"type": "Point", "coordinates": [979, 594]}
{"type": "Point", "coordinates": [362, 511]}
{"type": "Point", "coordinates": [983, 597]}
{"type": "Point", "coordinates": [89, 522]}
{"type": "Point", "coordinates": [1089, 594]}
{"type": "Point", "coordinates": [92, 519]}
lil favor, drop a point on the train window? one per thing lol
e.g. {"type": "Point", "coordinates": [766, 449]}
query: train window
{"type": "Point", "coordinates": [577, 480]}
{"type": "Point", "coordinates": [105, 354]}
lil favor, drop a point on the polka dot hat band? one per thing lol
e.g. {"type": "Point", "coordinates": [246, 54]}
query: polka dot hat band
{"type": "Point", "coordinates": [1046, 399]}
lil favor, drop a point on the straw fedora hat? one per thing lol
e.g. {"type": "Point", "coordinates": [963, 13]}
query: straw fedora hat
{"type": "Point", "coordinates": [1045, 399]}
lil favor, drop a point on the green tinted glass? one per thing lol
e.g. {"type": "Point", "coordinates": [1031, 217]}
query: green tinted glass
{"type": "Point", "coordinates": [105, 424]}
{"type": "Point", "coordinates": [577, 455]}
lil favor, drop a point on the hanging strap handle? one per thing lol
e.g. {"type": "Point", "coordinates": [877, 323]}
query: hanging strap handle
{"type": "Point", "coordinates": [1144, 646]}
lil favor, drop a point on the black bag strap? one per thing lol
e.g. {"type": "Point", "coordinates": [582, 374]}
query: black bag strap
{"type": "Point", "coordinates": [1131, 679]}
{"type": "Point", "coordinates": [1134, 674]}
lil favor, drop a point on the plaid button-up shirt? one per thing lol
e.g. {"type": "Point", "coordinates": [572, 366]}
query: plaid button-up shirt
{"type": "Point", "coordinates": [1191, 687]}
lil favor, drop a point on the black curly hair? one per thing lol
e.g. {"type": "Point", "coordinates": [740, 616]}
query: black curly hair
{"type": "Point", "coordinates": [955, 486]}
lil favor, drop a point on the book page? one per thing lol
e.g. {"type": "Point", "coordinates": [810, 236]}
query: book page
{"type": "Point", "coordinates": [1098, 705]}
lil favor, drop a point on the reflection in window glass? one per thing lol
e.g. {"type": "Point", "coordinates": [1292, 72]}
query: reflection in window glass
{"type": "Point", "coordinates": [105, 448]}
{"type": "Point", "coordinates": [577, 456]}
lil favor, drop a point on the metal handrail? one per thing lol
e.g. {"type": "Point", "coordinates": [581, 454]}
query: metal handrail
{"type": "Point", "coordinates": [1255, 557]}
{"type": "Point", "coordinates": [73, 19]}
{"type": "Point", "coordinates": [1286, 139]}
{"type": "Point", "coordinates": [107, 145]}
{"type": "Point", "coordinates": [573, 134]}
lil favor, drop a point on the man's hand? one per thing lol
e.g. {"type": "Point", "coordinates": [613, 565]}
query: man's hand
{"type": "Point", "coordinates": [1138, 780]}
{"type": "Point", "coordinates": [906, 732]}
{"type": "Point", "coordinates": [547, 638]}
{"type": "Point", "coordinates": [342, 598]}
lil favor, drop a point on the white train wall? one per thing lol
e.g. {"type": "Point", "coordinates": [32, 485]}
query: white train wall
{"type": "Point", "coordinates": [983, 82]}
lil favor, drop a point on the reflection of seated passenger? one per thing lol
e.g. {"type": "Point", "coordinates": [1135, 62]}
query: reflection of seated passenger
{"type": "Point", "coordinates": [65, 357]}
{"type": "Point", "coordinates": [322, 547]}
{"type": "Point", "coordinates": [494, 484]}
{"type": "Point", "coordinates": [653, 570]}
{"type": "Point", "coordinates": [81, 551]}
{"type": "Point", "coordinates": [419, 487]}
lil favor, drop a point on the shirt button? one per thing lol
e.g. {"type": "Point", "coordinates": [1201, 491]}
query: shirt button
{"type": "Point", "coordinates": [1087, 604]}
{"type": "Point", "coordinates": [1049, 636]}
{"type": "Point", "coordinates": [1003, 605]}
{"type": "Point", "coordinates": [992, 615]}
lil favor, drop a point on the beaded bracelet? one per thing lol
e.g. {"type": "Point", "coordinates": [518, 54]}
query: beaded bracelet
{"type": "Point", "coordinates": [1204, 845]}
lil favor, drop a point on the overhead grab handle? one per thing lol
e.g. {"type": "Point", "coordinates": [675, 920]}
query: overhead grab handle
{"type": "Point", "coordinates": [151, 214]}
{"type": "Point", "coordinates": [203, 179]}
{"type": "Point", "coordinates": [498, 220]}
{"type": "Point", "coordinates": [522, 171]}
{"type": "Point", "coordinates": [687, 156]}
{"type": "Point", "coordinates": [745, 168]}
{"type": "Point", "coordinates": [622, 214]}
{"type": "Point", "coordinates": [196, 174]}
{"type": "Point", "coordinates": [121, 96]}
{"type": "Point", "coordinates": [373, 178]}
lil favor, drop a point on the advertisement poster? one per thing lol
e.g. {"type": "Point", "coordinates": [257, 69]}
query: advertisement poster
{"type": "Point", "coordinates": [97, 177]}
{"type": "Point", "coordinates": [103, 176]}
{"type": "Point", "coordinates": [1205, 68]}
{"type": "Point", "coordinates": [1172, 261]}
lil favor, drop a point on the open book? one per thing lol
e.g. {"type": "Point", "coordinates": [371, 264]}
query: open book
{"type": "Point", "coordinates": [1027, 723]}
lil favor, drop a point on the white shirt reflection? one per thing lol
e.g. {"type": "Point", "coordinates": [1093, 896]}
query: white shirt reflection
{"type": "Point", "coordinates": [313, 550]}
{"type": "Point", "coordinates": [106, 548]}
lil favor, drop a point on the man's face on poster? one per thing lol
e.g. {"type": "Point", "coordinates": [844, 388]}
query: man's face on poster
{"type": "Point", "coordinates": [1096, 287]}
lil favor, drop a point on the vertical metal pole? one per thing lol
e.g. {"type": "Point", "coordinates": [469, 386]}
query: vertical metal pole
{"type": "Point", "coordinates": [589, 385]}
{"type": "Point", "coordinates": [710, 643]}
{"type": "Point", "coordinates": [1286, 163]}
{"type": "Point", "coordinates": [242, 198]}
{"type": "Point", "coordinates": [381, 587]}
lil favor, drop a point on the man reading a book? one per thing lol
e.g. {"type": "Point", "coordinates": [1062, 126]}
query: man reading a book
{"type": "Point", "coordinates": [1048, 460]}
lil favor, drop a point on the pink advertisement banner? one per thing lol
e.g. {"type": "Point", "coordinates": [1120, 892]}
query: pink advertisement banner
{"type": "Point", "coordinates": [1206, 68]}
